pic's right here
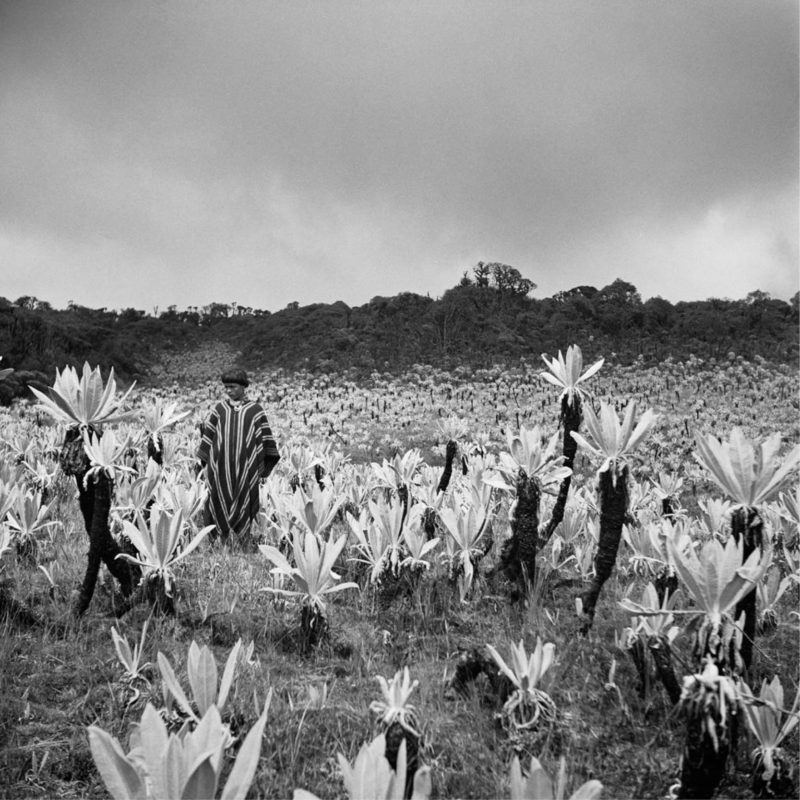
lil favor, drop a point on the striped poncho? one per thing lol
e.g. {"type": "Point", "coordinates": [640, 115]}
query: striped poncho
{"type": "Point", "coordinates": [238, 449]}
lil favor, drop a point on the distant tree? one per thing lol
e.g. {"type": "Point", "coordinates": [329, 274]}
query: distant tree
{"type": "Point", "coordinates": [130, 315]}
{"type": "Point", "coordinates": [482, 274]}
{"type": "Point", "coordinates": [752, 298]}
{"type": "Point", "coordinates": [658, 313]}
{"type": "Point", "coordinates": [509, 280]}
{"type": "Point", "coordinates": [621, 292]}
{"type": "Point", "coordinates": [587, 292]}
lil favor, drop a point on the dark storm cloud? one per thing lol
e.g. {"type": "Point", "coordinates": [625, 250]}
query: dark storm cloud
{"type": "Point", "coordinates": [351, 149]}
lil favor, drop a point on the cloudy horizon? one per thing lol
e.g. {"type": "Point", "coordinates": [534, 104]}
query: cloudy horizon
{"type": "Point", "coordinates": [176, 153]}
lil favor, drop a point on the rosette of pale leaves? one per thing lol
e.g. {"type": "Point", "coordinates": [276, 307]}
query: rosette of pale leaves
{"type": "Point", "coordinates": [648, 557]}
{"type": "Point", "coordinates": [313, 574]}
{"type": "Point", "coordinates": [157, 543]}
{"type": "Point", "coordinates": [566, 372]}
{"type": "Point", "coordinates": [770, 590]}
{"type": "Point", "coordinates": [612, 440]}
{"type": "Point", "coordinates": [415, 541]}
{"type": "Point", "coordinates": [668, 485]}
{"type": "Point", "coordinates": [201, 667]}
{"type": "Point", "coordinates": [400, 471]}
{"type": "Point", "coordinates": [453, 428]}
{"type": "Point", "coordinates": [27, 517]}
{"type": "Point", "coordinates": [105, 455]}
{"type": "Point", "coordinates": [527, 451]}
{"type": "Point", "coordinates": [466, 526]}
{"type": "Point", "coordinates": [527, 704]}
{"type": "Point", "coordinates": [537, 785]}
{"type": "Point", "coordinates": [157, 417]}
{"type": "Point", "coordinates": [167, 765]}
{"type": "Point", "coordinates": [173, 496]}
{"type": "Point", "coordinates": [764, 714]}
{"type": "Point", "coordinates": [84, 401]}
{"type": "Point", "coordinates": [131, 658]}
{"type": "Point", "coordinates": [301, 459]}
{"type": "Point", "coordinates": [132, 496]}
{"type": "Point", "coordinates": [749, 474]}
{"type": "Point", "coordinates": [371, 544]}
{"type": "Point", "coordinates": [371, 776]}
{"type": "Point", "coordinates": [716, 579]}
{"type": "Point", "coordinates": [652, 618]}
{"type": "Point", "coordinates": [315, 511]}
{"type": "Point", "coordinates": [716, 514]}
{"type": "Point", "coordinates": [387, 517]}
{"type": "Point", "coordinates": [393, 705]}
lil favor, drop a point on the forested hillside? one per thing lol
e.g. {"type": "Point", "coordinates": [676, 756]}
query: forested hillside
{"type": "Point", "coordinates": [488, 318]}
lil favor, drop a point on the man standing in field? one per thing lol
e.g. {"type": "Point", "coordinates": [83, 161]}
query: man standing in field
{"type": "Point", "coordinates": [238, 451]}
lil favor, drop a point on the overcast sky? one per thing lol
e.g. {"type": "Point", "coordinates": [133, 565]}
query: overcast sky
{"type": "Point", "coordinates": [156, 153]}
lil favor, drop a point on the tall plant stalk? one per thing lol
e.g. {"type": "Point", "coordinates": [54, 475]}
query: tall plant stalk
{"type": "Point", "coordinates": [613, 490]}
{"type": "Point", "coordinates": [566, 374]}
{"type": "Point", "coordinates": [571, 418]}
{"type": "Point", "coordinates": [615, 442]}
{"type": "Point", "coordinates": [747, 527]}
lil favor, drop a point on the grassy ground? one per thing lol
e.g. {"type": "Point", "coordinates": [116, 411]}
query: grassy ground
{"type": "Point", "coordinates": [61, 675]}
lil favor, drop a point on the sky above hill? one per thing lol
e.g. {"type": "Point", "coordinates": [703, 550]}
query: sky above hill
{"type": "Point", "coordinates": [264, 152]}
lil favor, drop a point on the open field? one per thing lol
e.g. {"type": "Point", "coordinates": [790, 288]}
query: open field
{"type": "Point", "coordinates": [59, 674]}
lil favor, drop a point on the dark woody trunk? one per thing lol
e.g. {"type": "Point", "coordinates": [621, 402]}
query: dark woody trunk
{"type": "Point", "coordinates": [395, 735]}
{"type": "Point", "coordinates": [428, 523]}
{"type": "Point", "coordinates": [95, 504]}
{"type": "Point", "coordinates": [313, 627]}
{"type": "Point", "coordinates": [702, 764]}
{"type": "Point", "coordinates": [747, 527]}
{"type": "Point", "coordinates": [639, 657]}
{"type": "Point", "coordinates": [518, 559]}
{"type": "Point", "coordinates": [155, 448]}
{"type": "Point", "coordinates": [662, 658]}
{"type": "Point", "coordinates": [447, 473]}
{"type": "Point", "coordinates": [571, 416]}
{"type": "Point", "coordinates": [613, 508]}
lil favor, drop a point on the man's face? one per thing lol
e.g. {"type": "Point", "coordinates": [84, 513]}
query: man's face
{"type": "Point", "coordinates": [235, 390]}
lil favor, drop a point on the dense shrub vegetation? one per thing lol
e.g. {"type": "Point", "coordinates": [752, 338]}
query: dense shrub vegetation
{"type": "Point", "coordinates": [483, 321]}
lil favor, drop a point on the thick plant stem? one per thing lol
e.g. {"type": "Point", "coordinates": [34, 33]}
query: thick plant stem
{"type": "Point", "coordinates": [313, 627]}
{"type": "Point", "coordinates": [662, 658]}
{"type": "Point", "coordinates": [747, 527]}
{"type": "Point", "coordinates": [639, 658]}
{"type": "Point", "coordinates": [95, 503]}
{"type": "Point", "coordinates": [702, 764]}
{"type": "Point", "coordinates": [395, 735]}
{"type": "Point", "coordinates": [571, 416]}
{"type": "Point", "coordinates": [447, 473]}
{"type": "Point", "coordinates": [613, 508]}
{"type": "Point", "coordinates": [518, 560]}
